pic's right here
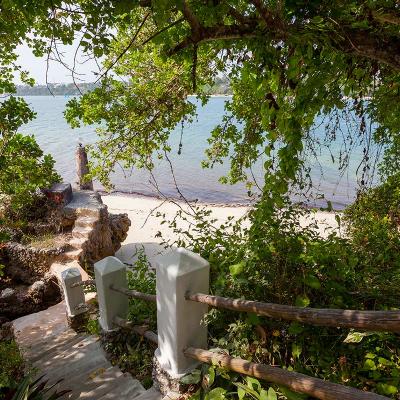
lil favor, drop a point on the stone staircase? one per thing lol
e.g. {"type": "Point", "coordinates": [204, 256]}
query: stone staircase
{"type": "Point", "coordinates": [58, 352]}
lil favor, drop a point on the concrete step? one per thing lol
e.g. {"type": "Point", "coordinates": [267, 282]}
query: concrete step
{"type": "Point", "coordinates": [102, 387]}
{"type": "Point", "coordinates": [87, 349]}
{"type": "Point", "coordinates": [128, 390]}
{"type": "Point", "coordinates": [150, 394]}
{"type": "Point", "coordinates": [43, 345]}
{"type": "Point", "coordinates": [78, 367]}
{"type": "Point", "coordinates": [85, 222]}
{"type": "Point", "coordinates": [81, 232]}
{"type": "Point", "coordinates": [45, 348]}
{"type": "Point", "coordinates": [43, 325]}
{"type": "Point", "coordinates": [77, 243]}
{"type": "Point", "coordinates": [59, 353]}
{"type": "Point", "coordinates": [136, 389]}
{"type": "Point", "coordinates": [67, 351]}
{"type": "Point", "coordinates": [71, 255]}
{"type": "Point", "coordinates": [90, 380]}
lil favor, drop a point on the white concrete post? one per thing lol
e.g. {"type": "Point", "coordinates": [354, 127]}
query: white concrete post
{"type": "Point", "coordinates": [110, 271]}
{"type": "Point", "coordinates": [74, 296]}
{"type": "Point", "coordinates": [179, 321]}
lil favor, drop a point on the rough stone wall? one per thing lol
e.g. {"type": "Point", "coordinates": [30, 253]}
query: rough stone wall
{"type": "Point", "coordinates": [96, 233]}
{"type": "Point", "coordinates": [28, 264]}
{"type": "Point", "coordinates": [107, 235]}
{"type": "Point", "coordinates": [15, 302]}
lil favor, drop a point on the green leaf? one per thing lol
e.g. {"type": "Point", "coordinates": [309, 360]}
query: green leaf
{"type": "Point", "coordinates": [253, 319]}
{"type": "Point", "coordinates": [296, 350]}
{"type": "Point", "coordinates": [241, 393]}
{"type": "Point", "coordinates": [290, 395]}
{"type": "Point", "coordinates": [192, 378]}
{"type": "Point", "coordinates": [312, 281]}
{"type": "Point", "coordinates": [271, 394]}
{"type": "Point", "coordinates": [211, 375]}
{"type": "Point", "coordinates": [356, 337]}
{"type": "Point", "coordinates": [295, 328]}
{"type": "Point", "coordinates": [253, 383]}
{"type": "Point", "coordinates": [263, 395]}
{"type": "Point", "coordinates": [369, 365]}
{"type": "Point", "coordinates": [216, 394]}
{"type": "Point", "coordinates": [302, 301]}
{"type": "Point", "coordinates": [386, 389]}
{"type": "Point", "coordinates": [237, 269]}
{"type": "Point", "coordinates": [247, 389]}
{"type": "Point", "coordinates": [384, 361]}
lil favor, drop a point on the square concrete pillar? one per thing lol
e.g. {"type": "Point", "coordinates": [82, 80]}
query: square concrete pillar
{"type": "Point", "coordinates": [74, 296]}
{"type": "Point", "coordinates": [111, 271]}
{"type": "Point", "coordinates": [179, 321]}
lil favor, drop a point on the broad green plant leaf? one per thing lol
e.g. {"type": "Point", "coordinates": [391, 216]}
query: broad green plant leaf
{"type": "Point", "coordinates": [192, 378]}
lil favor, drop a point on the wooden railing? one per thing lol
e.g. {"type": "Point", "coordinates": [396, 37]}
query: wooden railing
{"type": "Point", "coordinates": [134, 294]}
{"type": "Point", "coordinates": [182, 280]}
{"type": "Point", "coordinates": [387, 321]}
{"type": "Point", "coordinates": [140, 330]}
{"type": "Point", "coordinates": [88, 282]}
{"type": "Point", "coordinates": [293, 380]}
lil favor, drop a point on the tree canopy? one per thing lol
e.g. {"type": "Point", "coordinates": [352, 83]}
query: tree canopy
{"type": "Point", "coordinates": [289, 64]}
{"type": "Point", "coordinates": [287, 61]}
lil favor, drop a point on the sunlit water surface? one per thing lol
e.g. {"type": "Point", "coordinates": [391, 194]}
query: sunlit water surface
{"type": "Point", "coordinates": [56, 137]}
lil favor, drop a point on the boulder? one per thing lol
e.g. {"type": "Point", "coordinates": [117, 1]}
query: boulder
{"type": "Point", "coordinates": [59, 193]}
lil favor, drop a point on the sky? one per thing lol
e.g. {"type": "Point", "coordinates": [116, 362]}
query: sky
{"type": "Point", "coordinates": [57, 73]}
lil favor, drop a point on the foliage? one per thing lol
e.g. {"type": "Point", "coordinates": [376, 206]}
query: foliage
{"type": "Point", "coordinates": [287, 65]}
{"type": "Point", "coordinates": [23, 167]}
{"type": "Point", "coordinates": [373, 224]}
{"type": "Point", "coordinates": [93, 327]}
{"type": "Point", "coordinates": [287, 62]}
{"type": "Point", "coordinates": [130, 351]}
{"type": "Point", "coordinates": [11, 363]}
{"type": "Point", "coordinates": [143, 279]}
{"type": "Point", "coordinates": [289, 263]}
{"type": "Point", "coordinates": [29, 389]}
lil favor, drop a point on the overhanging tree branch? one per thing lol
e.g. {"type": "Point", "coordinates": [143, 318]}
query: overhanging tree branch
{"type": "Point", "coordinates": [363, 43]}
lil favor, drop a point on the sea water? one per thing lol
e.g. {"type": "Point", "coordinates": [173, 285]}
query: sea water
{"type": "Point", "coordinates": [57, 138]}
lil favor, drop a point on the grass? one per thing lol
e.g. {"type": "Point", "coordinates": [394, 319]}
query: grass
{"type": "Point", "coordinates": [46, 241]}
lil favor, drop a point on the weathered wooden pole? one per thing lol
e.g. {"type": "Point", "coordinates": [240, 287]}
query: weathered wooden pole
{"type": "Point", "coordinates": [82, 168]}
{"type": "Point", "coordinates": [301, 383]}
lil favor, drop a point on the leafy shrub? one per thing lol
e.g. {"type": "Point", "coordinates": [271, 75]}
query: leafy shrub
{"type": "Point", "coordinates": [29, 389]}
{"type": "Point", "coordinates": [373, 222]}
{"type": "Point", "coordinates": [23, 167]}
{"type": "Point", "coordinates": [130, 351]}
{"type": "Point", "coordinates": [278, 260]}
{"type": "Point", "coordinates": [143, 279]}
{"type": "Point", "coordinates": [24, 170]}
{"type": "Point", "coordinates": [11, 363]}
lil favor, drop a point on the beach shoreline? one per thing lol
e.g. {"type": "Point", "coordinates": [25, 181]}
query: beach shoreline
{"type": "Point", "coordinates": [120, 193]}
{"type": "Point", "coordinates": [146, 214]}
{"type": "Point", "coordinates": [247, 204]}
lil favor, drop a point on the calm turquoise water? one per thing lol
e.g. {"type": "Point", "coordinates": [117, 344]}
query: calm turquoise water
{"type": "Point", "coordinates": [56, 137]}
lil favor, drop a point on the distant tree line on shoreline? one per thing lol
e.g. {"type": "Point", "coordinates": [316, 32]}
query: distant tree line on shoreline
{"type": "Point", "coordinates": [221, 86]}
{"type": "Point", "coordinates": [55, 89]}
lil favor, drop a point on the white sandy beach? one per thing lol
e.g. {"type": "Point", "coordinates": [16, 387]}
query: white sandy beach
{"type": "Point", "coordinates": [145, 225]}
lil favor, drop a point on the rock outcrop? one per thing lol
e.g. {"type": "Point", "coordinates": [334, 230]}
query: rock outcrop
{"type": "Point", "coordinates": [95, 234]}
{"type": "Point", "coordinates": [27, 264]}
{"type": "Point", "coordinates": [22, 300]}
